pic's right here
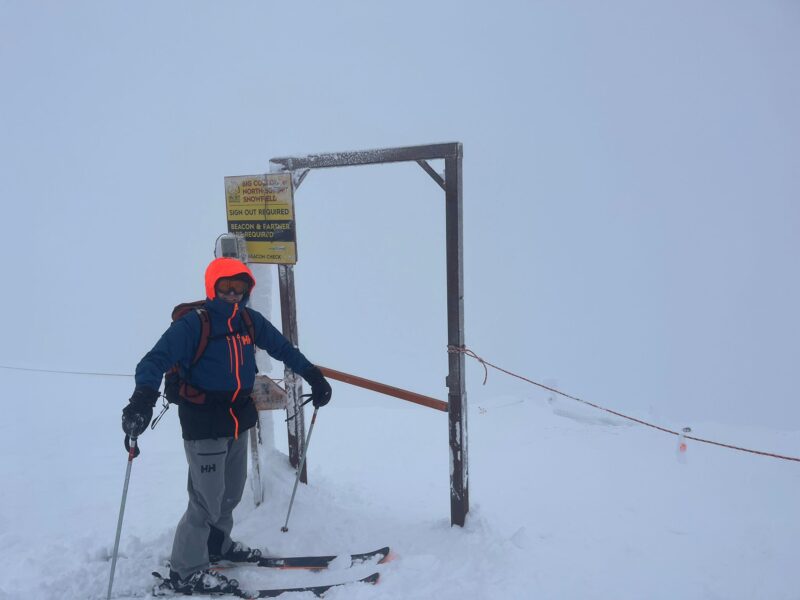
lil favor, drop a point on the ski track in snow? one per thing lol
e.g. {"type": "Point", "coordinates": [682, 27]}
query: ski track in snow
{"type": "Point", "coordinates": [564, 505]}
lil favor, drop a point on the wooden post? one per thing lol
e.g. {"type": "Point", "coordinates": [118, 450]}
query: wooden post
{"type": "Point", "coordinates": [262, 432]}
{"type": "Point", "coordinates": [258, 486]}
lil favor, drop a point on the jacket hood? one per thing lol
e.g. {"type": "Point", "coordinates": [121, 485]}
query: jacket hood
{"type": "Point", "coordinates": [225, 267]}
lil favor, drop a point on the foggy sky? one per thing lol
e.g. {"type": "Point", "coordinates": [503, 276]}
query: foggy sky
{"type": "Point", "coordinates": [630, 187]}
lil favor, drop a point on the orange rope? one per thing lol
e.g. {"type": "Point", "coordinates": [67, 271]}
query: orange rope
{"type": "Point", "coordinates": [485, 363]}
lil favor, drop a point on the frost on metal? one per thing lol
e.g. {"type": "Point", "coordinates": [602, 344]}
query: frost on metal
{"type": "Point", "coordinates": [365, 157]}
{"type": "Point", "coordinates": [465, 451]}
{"type": "Point", "coordinates": [456, 456]}
{"type": "Point", "coordinates": [333, 158]}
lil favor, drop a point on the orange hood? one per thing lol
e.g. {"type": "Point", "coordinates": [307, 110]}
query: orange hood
{"type": "Point", "coordinates": [225, 267]}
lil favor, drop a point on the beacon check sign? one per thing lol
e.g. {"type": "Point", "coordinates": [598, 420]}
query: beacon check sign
{"type": "Point", "coordinates": [261, 208]}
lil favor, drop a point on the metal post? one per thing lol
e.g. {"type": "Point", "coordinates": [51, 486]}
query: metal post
{"type": "Point", "coordinates": [292, 382]}
{"type": "Point", "coordinates": [457, 397]}
{"type": "Point", "coordinates": [452, 154]}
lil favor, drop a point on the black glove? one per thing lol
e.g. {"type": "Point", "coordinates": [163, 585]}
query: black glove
{"type": "Point", "coordinates": [136, 416]}
{"type": "Point", "coordinates": [320, 388]}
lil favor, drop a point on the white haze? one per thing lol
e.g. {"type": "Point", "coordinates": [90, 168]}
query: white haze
{"type": "Point", "coordinates": [630, 222]}
{"type": "Point", "coordinates": [630, 186]}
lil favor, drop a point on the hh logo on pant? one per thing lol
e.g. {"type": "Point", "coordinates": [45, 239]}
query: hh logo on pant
{"type": "Point", "coordinates": [208, 468]}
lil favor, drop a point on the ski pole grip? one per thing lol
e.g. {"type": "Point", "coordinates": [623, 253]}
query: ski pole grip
{"type": "Point", "coordinates": [132, 451]}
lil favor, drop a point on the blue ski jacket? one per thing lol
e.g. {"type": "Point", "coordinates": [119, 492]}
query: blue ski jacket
{"type": "Point", "coordinates": [225, 373]}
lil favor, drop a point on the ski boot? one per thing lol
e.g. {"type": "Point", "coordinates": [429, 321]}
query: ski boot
{"type": "Point", "coordinates": [237, 553]}
{"type": "Point", "coordinates": [199, 582]}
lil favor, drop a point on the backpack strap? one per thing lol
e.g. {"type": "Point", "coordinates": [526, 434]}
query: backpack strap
{"type": "Point", "coordinates": [205, 333]}
{"type": "Point", "coordinates": [248, 322]}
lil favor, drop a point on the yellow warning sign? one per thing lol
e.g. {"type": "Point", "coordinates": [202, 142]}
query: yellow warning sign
{"type": "Point", "coordinates": [261, 208]}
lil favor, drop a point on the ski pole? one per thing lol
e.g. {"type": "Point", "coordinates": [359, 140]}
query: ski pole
{"type": "Point", "coordinates": [285, 527]}
{"type": "Point", "coordinates": [309, 396]}
{"type": "Point", "coordinates": [131, 456]}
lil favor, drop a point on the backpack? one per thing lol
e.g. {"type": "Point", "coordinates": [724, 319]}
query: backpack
{"type": "Point", "coordinates": [176, 385]}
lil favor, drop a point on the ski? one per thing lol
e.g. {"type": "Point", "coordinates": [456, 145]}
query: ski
{"type": "Point", "coordinates": [234, 591]}
{"type": "Point", "coordinates": [313, 563]}
{"type": "Point", "coordinates": [317, 590]}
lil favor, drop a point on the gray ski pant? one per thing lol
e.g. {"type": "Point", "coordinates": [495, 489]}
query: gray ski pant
{"type": "Point", "coordinates": [217, 474]}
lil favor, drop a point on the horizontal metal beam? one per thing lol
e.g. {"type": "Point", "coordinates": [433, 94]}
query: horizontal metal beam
{"type": "Point", "coordinates": [370, 157]}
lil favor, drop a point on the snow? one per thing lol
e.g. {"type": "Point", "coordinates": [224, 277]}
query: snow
{"type": "Point", "coordinates": [563, 504]}
{"type": "Point", "coordinates": [630, 218]}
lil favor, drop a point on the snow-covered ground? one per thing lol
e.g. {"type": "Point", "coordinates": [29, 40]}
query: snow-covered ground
{"type": "Point", "coordinates": [565, 502]}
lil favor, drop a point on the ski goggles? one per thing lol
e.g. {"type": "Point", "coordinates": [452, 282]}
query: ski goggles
{"type": "Point", "coordinates": [231, 286]}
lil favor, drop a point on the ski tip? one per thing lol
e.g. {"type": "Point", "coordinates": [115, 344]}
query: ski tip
{"type": "Point", "coordinates": [374, 579]}
{"type": "Point", "coordinates": [388, 557]}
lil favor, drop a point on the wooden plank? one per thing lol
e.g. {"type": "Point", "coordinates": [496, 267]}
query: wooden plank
{"type": "Point", "coordinates": [384, 389]}
{"type": "Point", "coordinates": [268, 395]}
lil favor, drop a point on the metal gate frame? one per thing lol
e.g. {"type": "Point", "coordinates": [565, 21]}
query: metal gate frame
{"type": "Point", "coordinates": [451, 183]}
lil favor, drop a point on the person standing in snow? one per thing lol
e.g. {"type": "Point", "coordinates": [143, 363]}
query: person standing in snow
{"type": "Point", "coordinates": [216, 410]}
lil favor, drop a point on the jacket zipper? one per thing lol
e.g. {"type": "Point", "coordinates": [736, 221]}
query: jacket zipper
{"type": "Point", "coordinates": [235, 359]}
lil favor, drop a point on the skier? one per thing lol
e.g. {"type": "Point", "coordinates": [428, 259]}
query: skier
{"type": "Point", "coordinates": [216, 410]}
